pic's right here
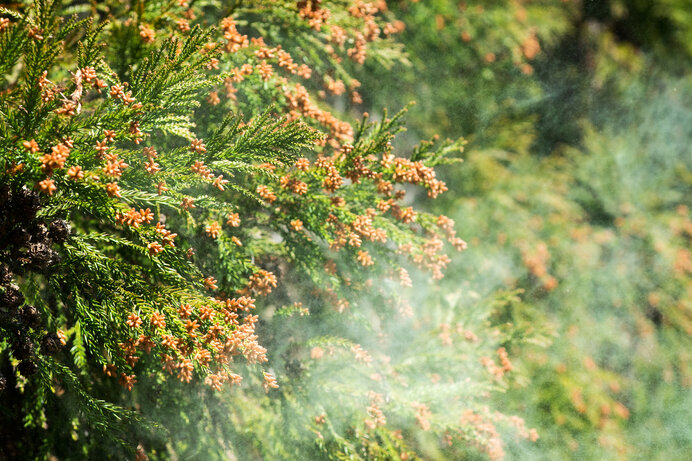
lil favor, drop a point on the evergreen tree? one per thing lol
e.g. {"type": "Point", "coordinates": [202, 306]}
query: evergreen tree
{"type": "Point", "coordinates": [203, 243]}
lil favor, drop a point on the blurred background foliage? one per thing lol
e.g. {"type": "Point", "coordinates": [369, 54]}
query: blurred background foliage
{"type": "Point", "coordinates": [575, 191]}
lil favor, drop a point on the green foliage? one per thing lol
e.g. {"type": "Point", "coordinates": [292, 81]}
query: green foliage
{"type": "Point", "coordinates": [575, 191]}
{"type": "Point", "coordinates": [208, 251]}
{"type": "Point", "coordinates": [145, 218]}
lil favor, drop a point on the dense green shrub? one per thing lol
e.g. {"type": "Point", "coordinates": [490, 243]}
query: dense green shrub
{"type": "Point", "coordinates": [196, 210]}
{"type": "Point", "coordinates": [183, 210]}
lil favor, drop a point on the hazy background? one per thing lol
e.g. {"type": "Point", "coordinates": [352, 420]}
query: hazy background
{"type": "Point", "coordinates": [574, 190]}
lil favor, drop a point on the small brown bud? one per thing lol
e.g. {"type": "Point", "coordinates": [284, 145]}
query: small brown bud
{"type": "Point", "coordinates": [59, 230]}
{"type": "Point", "coordinates": [50, 344]}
